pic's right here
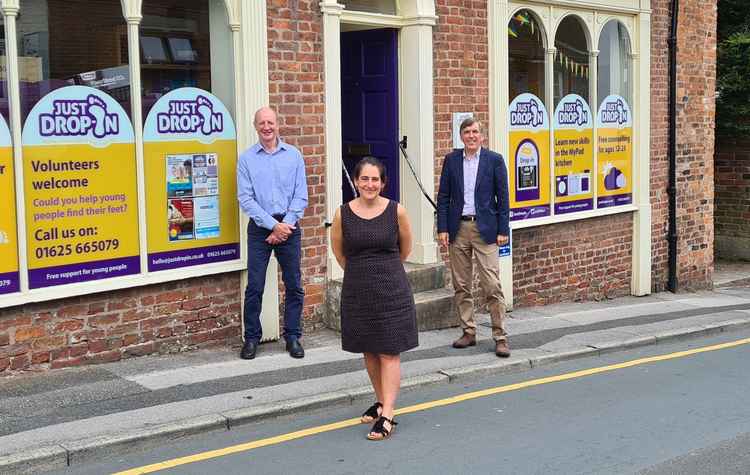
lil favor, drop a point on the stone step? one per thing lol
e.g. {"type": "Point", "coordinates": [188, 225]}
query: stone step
{"type": "Point", "coordinates": [433, 301]}
{"type": "Point", "coordinates": [435, 310]}
{"type": "Point", "coordinates": [423, 277]}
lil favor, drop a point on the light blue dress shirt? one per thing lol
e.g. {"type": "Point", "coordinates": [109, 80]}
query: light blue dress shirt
{"type": "Point", "coordinates": [272, 184]}
{"type": "Point", "coordinates": [471, 166]}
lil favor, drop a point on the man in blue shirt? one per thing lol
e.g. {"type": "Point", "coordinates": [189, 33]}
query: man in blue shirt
{"type": "Point", "coordinates": [272, 191]}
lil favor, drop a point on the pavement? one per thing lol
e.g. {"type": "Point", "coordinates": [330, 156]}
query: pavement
{"type": "Point", "coordinates": [68, 417]}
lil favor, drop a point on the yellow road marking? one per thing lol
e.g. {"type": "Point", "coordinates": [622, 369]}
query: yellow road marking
{"type": "Point", "coordinates": [422, 407]}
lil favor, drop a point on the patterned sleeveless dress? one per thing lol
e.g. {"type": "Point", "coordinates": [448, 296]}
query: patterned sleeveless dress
{"type": "Point", "coordinates": [377, 303]}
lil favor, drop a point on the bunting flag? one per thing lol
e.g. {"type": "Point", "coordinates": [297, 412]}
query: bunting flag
{"type": "Point", "coordinates": [511, 32]}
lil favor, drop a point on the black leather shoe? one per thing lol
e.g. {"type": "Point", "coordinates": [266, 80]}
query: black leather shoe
{"type": "Point", "coordinates": [294, 347]}
{"type": "Point", "coordinates": [248, 350]}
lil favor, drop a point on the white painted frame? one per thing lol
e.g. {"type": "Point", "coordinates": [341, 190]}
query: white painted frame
{"type": "Point", "coordinates": [415, 21]}
{"type": "Point", "coordinates": [249, 39]}
{"type": "Point", "coordinates": [635, 15]}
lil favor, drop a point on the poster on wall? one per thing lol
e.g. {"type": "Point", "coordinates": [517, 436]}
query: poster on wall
{"type": "Point", "coordinates": [615, 146]}
{"type": "Point", "coordinates": [528, 164]}
{"type": "Point", "coordinates": [574, 155]}
{"type": "Point", "coordinates": [190, 156]}
{"type": "Point", "coordinates": [80, 188]}
{"type": "Point", "coordinates": [9, 281]}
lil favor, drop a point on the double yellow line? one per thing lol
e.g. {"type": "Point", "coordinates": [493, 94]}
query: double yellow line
{"type": "Point", "coordinates": [422, 407]}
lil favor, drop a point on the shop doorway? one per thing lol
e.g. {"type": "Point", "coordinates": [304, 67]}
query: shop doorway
{"type": "Point", "coordinates": [369, 103]}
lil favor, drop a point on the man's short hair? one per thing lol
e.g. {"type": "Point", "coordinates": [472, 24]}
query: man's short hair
{"type": "Point", "coordinates": [468, 122]}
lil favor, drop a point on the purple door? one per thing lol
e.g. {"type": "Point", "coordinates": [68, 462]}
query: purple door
{"type": "Point", "coordinates": [369, 102]}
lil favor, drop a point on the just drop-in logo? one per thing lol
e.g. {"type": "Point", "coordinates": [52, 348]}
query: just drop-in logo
{"type": "Point", "coordinates": [79, 117]}
{"type": "Point", "coordinates": [190, 116]}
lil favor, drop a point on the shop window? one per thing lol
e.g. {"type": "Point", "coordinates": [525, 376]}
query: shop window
{"type": "Point", "coordinates": [4, 106]}
{"type": "Point", "coordinates": [526, 55]}
{"type": "Point", "coordinates": [72, 42]}
{"type": "Point", "coordinates": [387, 7]}
{"type": "Point", "coordinates": [185, 43]}
{"type": "Point", "coordinates": [614, 62]}
{"type": "Point", "coordinates": [571, 68]}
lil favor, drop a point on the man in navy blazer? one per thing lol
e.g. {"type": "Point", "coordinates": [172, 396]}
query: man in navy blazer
{"type": "Point", "coordinates": [473, 220]}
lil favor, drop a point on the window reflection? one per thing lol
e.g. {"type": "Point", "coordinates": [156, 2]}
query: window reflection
{"type": "Point", "coordinates": [613, 71]}
{"type": "Point", "coordinates": [68, 42]}
{"type": "Point", "coordinates": [526, 55]}
{"type": "Point", "coordinates": [571, 68]}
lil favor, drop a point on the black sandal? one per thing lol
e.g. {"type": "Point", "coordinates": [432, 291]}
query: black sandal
{"type": "Point", "coordinates": [371, 413]}
{"type": "Point", "coordinates": [379, 428]}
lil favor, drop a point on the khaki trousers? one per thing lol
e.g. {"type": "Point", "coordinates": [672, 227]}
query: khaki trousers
{"type": "Point", "coordinates": [468, 242]}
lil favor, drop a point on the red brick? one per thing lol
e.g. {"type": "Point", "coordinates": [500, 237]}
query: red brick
{"type": "Point", "coordinates": [77, 310]}
{"type": "Point", "coordinates": [38, 358]}
{"type": "Point", "coordinates": [66, 363]}
{"type": "Point", "coordinates": [17, 349]}
{"type": "Point", "coordinates": [98, 346]}
{"type": "Point", "coordinates": [196, 304]}
{"type": "Point", "coordinates": [49, 342]}
{"type": "Point", "coordinates": [171, 296]}
{"type": "Point", "coordinates": [104, 320]}
{"type": "Point", "coordinates": [129, 340]}
{"type": "Point", "coordinates": [79, 350]}
{"type": "Point", "coordinates": [20, 362]}
{"type": "Point", "coordinates": [68, 326]}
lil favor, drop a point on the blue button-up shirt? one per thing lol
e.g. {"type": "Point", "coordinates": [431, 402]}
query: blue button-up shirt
{"type": "Point", "coordinates": [272, 184]}
{"type": "Point", "coordinates": [471, 166]}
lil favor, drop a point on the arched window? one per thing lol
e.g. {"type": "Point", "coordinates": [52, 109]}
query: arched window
{"type": "Point", "coordinates": [571, 69]}
{"type": "Point", "coordinates": [525, 55]}
{"type": "Point", "coordinates": [75, 42]}
{"type": "Point", "coordinates": [185, 43]}
{"type": "Point", "coordinates": [614, 64]}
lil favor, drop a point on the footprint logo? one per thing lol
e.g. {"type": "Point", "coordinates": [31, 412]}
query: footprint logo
{"type": "Point", "coordinates": [206, 111]}
{"type": "Point", "coordinates": [98, 110]}
{"type": "Point", "coordinates": [581, 113]}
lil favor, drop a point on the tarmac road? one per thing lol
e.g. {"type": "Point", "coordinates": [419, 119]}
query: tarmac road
{"type": "Point", "coordinates": [684, 413]}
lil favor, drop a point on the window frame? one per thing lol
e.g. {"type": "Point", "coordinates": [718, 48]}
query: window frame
{"type": "Point", "coordinates": [144, 278]}
{"type": "Point", "coordinates": [549, 14]}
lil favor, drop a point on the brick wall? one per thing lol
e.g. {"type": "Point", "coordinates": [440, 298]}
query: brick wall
{"type": "Point", "coordinates": [295, 67]}
{"type": "Point", "coordinates": [110, 326]}
{"type": "Point", "coordinates": [577, 261]}
{"type": "Point", "coordinates": [696, 79]}
{"type": "Point", "coordinates": [732, 206]}
{"type": "Point", "coordinates": [550, 263]}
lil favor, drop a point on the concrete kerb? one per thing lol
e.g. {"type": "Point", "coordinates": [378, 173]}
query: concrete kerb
{"type": "Point", "coordinates": [119, 443]}
{"type": "Point", "coordinates": [40, 459]}
{"type": "Point", "coordinates": [53, 457]}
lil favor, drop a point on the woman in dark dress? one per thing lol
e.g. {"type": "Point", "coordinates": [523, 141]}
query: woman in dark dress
{"type": "Point", "coordinates": [371, 238]}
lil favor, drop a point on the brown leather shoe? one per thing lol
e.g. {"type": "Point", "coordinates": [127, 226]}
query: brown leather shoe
{"type": "Point", "coordinates": [466, 340]}
{"type": "Point", "coordinates": [502, 349]}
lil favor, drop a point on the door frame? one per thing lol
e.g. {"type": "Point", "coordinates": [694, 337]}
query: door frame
{"type": "Point", "coordinates": [394, 173]}
{"type": "Point", "coordinates": [414, 22]}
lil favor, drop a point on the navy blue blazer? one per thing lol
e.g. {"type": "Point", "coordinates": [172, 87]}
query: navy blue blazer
{"type": "Point", "coordinates": [490, 196]}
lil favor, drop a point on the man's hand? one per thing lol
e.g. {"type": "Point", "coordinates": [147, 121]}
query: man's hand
{"type": "Point", "coordinates": [280, 233]}
{"type": "Point", "coordinates": [283, 230]}
{"type": "Point", "coordinates": [502, 240]}
{"type": "Point", "coordinates": [443, 239]}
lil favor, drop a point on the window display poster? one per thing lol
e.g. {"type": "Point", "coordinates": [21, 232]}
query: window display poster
{"type": "Point", "coordinates": [615, 146]}
{"type": "Point", "coordinates": [574, 155]}
{"type": "Point", "coordinates": [9, 282]}
{"type": "Point", "coordinates": [190, 157]}
{"type": "Point", "coordinates": [80, 188]}
{"type": "Point", "coordinates": [528, 164]}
